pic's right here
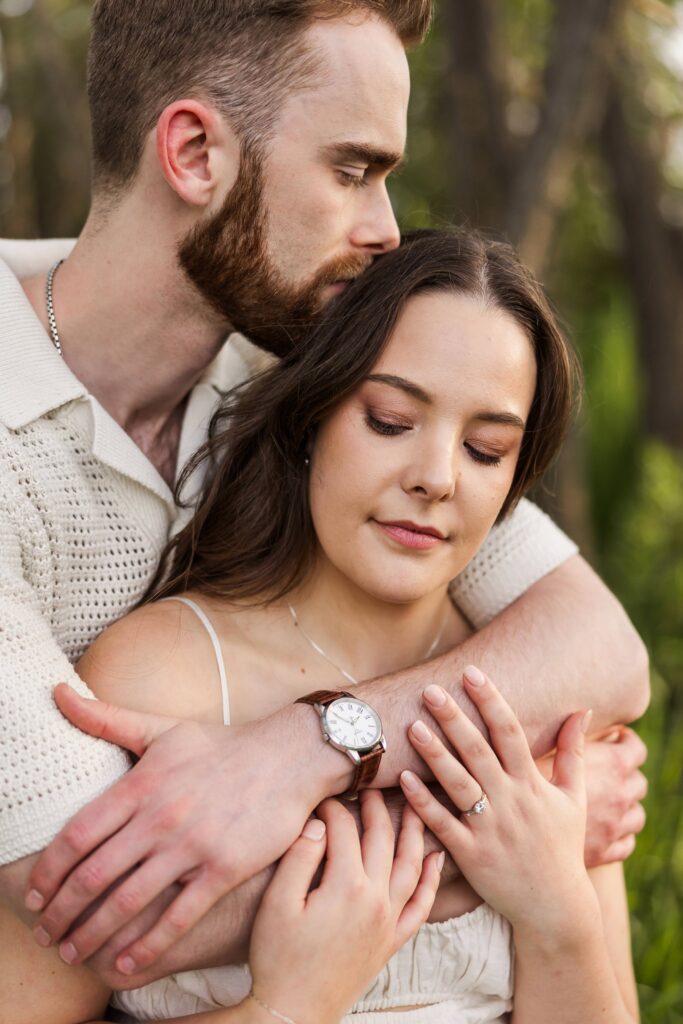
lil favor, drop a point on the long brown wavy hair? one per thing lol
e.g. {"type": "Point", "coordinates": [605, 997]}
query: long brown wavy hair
{"type": "Point", "coordinates": [252, 537]}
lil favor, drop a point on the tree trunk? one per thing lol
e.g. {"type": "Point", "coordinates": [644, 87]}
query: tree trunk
{"type": "Point", "coordinates": [476, 101]}
{"type": "Point", "coordinates": [574, 100]}
{"type": "Point", "coordinates": [654, 270]}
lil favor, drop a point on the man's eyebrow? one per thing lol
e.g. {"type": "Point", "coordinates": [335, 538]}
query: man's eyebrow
{"type": "Point", "coordinates": [414, 390]}
{"type": "Point", "coordinates": [363, 153]}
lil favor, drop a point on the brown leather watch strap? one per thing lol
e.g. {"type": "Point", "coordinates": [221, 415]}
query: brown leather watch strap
{"type": "Point", "coordinates": [365, 772]}
{"type": "Point", "coordinates": [368, 766]}
{"type": "Point", "coordinates": [323, 697]}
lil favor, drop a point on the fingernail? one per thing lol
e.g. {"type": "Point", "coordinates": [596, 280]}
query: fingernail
{"type": "Point", "coordinates": [41, 936]}
{"type": "Point", "coordinates": [474, 676]}
{"type": "Point", "coordinates": [314, 829]}
{"type": "Point", "coordinates": [126, 965]}
{"type": "Point", "coordinates": [409, 782]}
{"type": "Point", "coordinates": [586, 721]}
{"type": "Point", "coordinates": [68, 952]}
{"type": "Point", "coordinates": [420, 732]}
{"type": "Point", "coordinates": [34, 900]}
{"type": "Point", "coordinates": [441, 860]}
{"type": "Point", "coordinates": [436, 695]}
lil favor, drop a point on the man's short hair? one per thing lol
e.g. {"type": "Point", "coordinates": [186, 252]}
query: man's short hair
{"type": "Point", "coordinates": [244, 56]}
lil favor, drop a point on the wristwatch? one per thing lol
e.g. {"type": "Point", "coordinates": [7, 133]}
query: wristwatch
{"type": "Point", "coordinates": [352, 726]}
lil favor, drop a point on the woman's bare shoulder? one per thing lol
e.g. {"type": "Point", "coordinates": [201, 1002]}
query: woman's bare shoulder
{"type": "Point", "coordinates": [160, 659]}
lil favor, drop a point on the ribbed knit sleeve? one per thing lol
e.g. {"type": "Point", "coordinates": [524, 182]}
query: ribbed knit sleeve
{"type": "Point", "coordinates": [526, 546]}
{"type": "Point", "coordinates": [48, 768]}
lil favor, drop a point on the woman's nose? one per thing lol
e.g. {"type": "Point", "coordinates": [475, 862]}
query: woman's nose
{"type": "Point", "coordinates": [433, 474]}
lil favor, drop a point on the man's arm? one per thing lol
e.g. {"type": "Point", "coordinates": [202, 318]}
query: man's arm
{"type": "Point", "coordinates": [48, 768]}
{"type": "Point", "coordinates": [564, 644]}
{"type": "Point", "coordinates": [615, 787]}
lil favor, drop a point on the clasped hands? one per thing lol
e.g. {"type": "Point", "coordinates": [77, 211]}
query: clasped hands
{"type": "Point", "coordinates": [167, 821]}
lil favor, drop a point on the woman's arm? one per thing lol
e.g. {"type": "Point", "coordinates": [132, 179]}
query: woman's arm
{"type": "Point", "coordinates": [519, 842]}
{"type": "Point", "coordinates": [159, 660]}
{"type": "Point", "coordinates": [36, 987]}
{"type": "Point", "coordinates": [584, 973]}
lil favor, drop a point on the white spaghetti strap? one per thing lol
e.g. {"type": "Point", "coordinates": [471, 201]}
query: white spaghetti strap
{"type": "Point", "coordinates": [206, 622]}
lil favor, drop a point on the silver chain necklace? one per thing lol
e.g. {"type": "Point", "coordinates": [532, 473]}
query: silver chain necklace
{"type": "Point", "coordinates": [49, 301]}
{"type": "Point", "coordinates": [347, 675]}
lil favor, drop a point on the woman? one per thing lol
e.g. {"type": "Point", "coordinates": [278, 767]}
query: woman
{"type": "Point", "coordinates": [349, 486]}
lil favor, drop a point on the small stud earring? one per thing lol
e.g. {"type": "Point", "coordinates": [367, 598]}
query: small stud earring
{"type": "Point", "coordinates": [307, 460]}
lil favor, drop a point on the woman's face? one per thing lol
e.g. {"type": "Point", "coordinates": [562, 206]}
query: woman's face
{"type": "Point", "coordinates": [409, 473]}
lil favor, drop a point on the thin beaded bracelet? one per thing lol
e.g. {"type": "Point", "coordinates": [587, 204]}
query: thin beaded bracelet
{"type": "Point", "coordinates": [269, 1009]}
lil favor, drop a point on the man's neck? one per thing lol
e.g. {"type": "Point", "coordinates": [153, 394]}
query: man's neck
{"type": "Point", "coordinates": [134, 332]}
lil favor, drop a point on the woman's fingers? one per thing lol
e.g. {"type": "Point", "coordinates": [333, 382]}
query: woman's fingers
{"type": "Point", "coordinates": [296, 870]}
{"type": "Point", "coordinates": [377, 842]}
{"type": "Point", "coordinates": [407, 865]}
{"type": "Point", "coordinates": [446, 769]}
{"type": "Point", "coordinates": [507, 736]}
{"type": "Point", "coordinates": [416, 910]}
{"type": "Point", "coordinates": [448, 829]}
{"type": "Point", "coordinates": [344, 860]}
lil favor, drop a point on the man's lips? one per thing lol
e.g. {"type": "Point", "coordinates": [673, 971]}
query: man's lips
{"type": "Point", "coordinates": [412, 535]}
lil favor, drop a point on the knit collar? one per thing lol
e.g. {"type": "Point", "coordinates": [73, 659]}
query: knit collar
{"type": "Point", "coordinates": [35, 381]}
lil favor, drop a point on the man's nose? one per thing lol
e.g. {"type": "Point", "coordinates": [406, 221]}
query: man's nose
{"type": "Point", "coordinates": [377, 229]}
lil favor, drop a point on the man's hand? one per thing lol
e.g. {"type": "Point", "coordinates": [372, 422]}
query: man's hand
{"type": "Point", "coordinates": [615, 787]}
{"type": "Point", "coordinates": [196, 809]}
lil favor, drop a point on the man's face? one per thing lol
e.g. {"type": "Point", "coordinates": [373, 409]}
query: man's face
{"type": "Point", "coordinates": [313, 210]}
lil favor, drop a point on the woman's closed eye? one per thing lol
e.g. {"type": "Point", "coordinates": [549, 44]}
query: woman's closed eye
{"type": "Point", "coordinates": [388, 427]}
{"type": "Point", "coordinates": [484, 455]}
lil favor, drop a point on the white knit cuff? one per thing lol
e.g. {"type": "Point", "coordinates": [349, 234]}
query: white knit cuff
{"type": "Point", "coordinates": [526, 546]}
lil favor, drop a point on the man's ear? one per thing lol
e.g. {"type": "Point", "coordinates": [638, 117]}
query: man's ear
{"type": "Point", "coordinates": [198, 152]}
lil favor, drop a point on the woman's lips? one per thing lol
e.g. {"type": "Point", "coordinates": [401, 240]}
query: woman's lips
{"type": "Point", "coordinates": [410, 536]}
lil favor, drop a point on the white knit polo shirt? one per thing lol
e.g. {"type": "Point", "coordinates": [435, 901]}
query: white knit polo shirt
{"type": "Point", "coordinates": [84, 517]}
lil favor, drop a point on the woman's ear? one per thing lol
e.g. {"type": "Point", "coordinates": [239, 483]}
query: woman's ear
{"type": "Point", "coordinates": [198, 152]}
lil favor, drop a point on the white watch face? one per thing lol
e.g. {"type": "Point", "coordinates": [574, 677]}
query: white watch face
{"type": "Point", "coordinates": [352, 723]}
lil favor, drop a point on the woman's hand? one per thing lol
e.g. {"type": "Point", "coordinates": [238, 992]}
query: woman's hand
{"type": "Point", "coordinates": [314, 953]}
{"type": "Point", "coordinates": [524, 852]}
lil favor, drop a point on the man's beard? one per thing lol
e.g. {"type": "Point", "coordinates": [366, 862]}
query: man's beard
{"type": "Point", "coordinates": [226, 258]}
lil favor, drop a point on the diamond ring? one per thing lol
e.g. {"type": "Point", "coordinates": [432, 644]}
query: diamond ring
{"type": "Point", "coordinates": [479, 807]}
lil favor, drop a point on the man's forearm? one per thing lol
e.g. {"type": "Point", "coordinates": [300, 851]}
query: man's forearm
{"type": "Point", "coordinates": [564, 645]}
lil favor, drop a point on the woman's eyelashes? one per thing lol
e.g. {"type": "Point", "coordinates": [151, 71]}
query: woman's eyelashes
{"type": "Point", "coordinates": [392, 428]}
{"type": "Point", "coordinates": [387, 427]}
{"type": "Point", "coordinates": [486, 458]}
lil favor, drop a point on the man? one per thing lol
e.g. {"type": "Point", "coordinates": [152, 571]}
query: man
{"type": "Point", "coordinates": [241, 152]}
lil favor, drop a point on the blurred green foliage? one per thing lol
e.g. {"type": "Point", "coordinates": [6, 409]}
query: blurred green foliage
{"type": "Point", "coordinates": [632, 485]}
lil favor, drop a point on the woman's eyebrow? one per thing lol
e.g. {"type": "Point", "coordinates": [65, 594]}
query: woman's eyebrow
{"type": "Point", "coordinates": [414, 390]}
{"type": "Point", "coordinates": [506, 418]}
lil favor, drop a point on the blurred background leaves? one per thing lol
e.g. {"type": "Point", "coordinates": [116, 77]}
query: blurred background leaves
{"type": "Point", "coordinates": [559, 126]}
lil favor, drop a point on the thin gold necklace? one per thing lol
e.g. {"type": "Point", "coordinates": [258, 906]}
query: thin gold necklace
{"type": "Point", "coordinates": [347, 675]}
